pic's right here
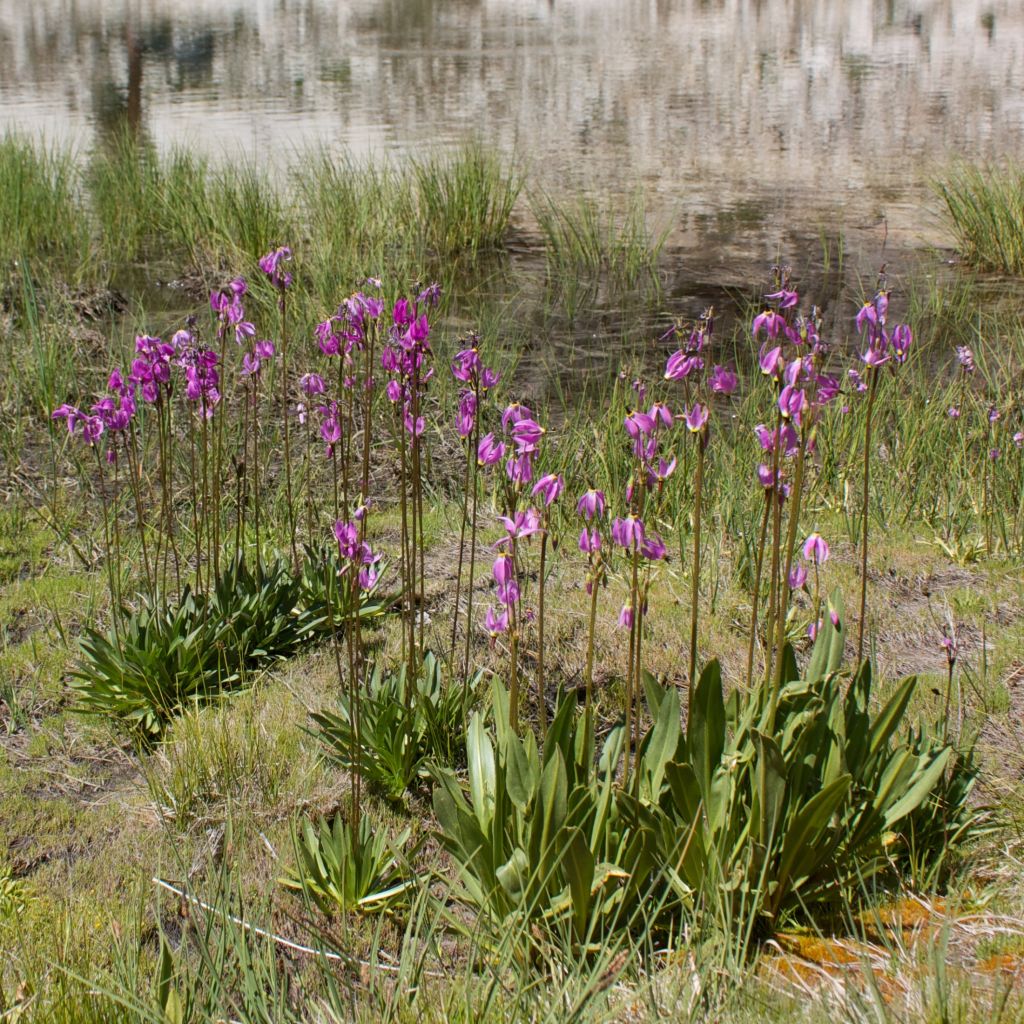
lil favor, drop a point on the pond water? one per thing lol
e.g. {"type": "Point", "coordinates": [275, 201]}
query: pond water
{"type": "Point", "coordinates": [755, 128]}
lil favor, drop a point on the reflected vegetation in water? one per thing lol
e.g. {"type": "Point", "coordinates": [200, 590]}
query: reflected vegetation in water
{"type": "Point", "coordinates": [750, 124]}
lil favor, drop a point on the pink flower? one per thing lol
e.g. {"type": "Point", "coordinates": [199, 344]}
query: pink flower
{"type": "Point", "coordinates": [785, 299]}
{"type": "Point", "coordinates": [591, 504]}
{"type": "Point", "coordinates": [590, 541]}
{"type": "Point", "coordinates": [628, 532]}
{"type": "Point", "coordinates": [653, 548]}
{"type": "Point", "coordinates": [696, 417]}
{"type": "Point", "coordinates": [465, 417]}
{"type": "Point", "coordinates": [816, 549]}
{"type": "Point", "coordinates": [525, 524]}
{"type": "Point", "coordinates": [770, 360]}
{"type": "Point", "coordinates": [639, 424]}
{"type": "Point", "coordinates": [770, 322]}
{"type": "Point", "coordinates": [626, 616]}
{"type": "Point", "coordinates": [271, 266]}
{"type": "Point", "coordinates": [867, 315]}
{"type": "Point", "coordinates": [791, 402]}
{"type": "Point", "coordinates": [797, 577]}
{"type": "Point", "coordinates": [312, 384]}
{"type": "Point", "coordinates": [489, 452]}
{"type": "Point", "coordinates": [495, 622]}
{"type": "Point", "coordinates": [526, 433]}
{"type": "Point", "coordinates": [661, 414]}
{"type": "Point", "coordinates": [723, 381]}
{"type": "Point", "coordinates": [549, 487]}
{"type": "Point", "coordinates": [503, 569]}
{"type": "Point", "coordinates": [513, 414]}
{"type": "Point", "coordinates": [902, 339]}
{"type": "Point", "coordinates": [681, 364]}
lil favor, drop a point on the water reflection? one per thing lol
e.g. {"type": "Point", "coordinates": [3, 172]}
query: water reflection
{"type": "Point", "coordinates": [738, 116]}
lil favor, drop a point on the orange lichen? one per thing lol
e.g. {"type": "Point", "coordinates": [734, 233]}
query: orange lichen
{"type": "Point", "coordinates": [1001, 963]}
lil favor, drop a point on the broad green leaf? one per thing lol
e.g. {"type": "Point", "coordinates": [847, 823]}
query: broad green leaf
{"type": "Point", "coordinates": [482, 782]}
{"type": "Point", "coordinates": [802, 849]}
{"type": "Point", "coordinates": [919, 790]}
{"type": "Point", "coordinates": [891, 716]}
{"type": "Point", "coordinates": [514, 875]}
{"type": "Point", "coordinates": [663, 742]}
{"type": "Point", "coordinates": [520, 775]}
{"type": "Point", "coordinates": [579, 863]}
{"type": "Point", "coordinates": [771, 788]}
{"type": "Point", "coordinates": [705, 732]}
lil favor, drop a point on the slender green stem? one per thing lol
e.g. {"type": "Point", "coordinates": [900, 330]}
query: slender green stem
{"type": "Point", "coordinates": [784, 588]}
{"type": "Point", "coordinates": [695, 571]}
{"type": "Point", "coordinates": [283, 307]}
{"type": "Point", "coordinates": [542, 710]}
{"type": "Point", "coordinates": [773, 588]}
{"type": "Point", "coordinates": [134, 472]}
{"type": "Point", "coordinates": [115, 610]}
{"type": "Point", "coordinates": [872, 388]}
{"type": "Point", "coordinates": [462, 548]}
{"type": "Point", "coordinates": [472, 548]}
{"type": "Point", "coordinates": [769, 494]}
{"type": "Point", "coordinates": [591, 628]}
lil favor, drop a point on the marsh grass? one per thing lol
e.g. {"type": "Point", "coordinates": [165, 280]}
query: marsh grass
{"type": "Point", "coordinates": [985, 206]}
{"type": "Point", "coordinates": [590, 245]}
{"type": "Point", "coordinates": [124, 179]}
{"type": "Point", "coordinates": [40, 212]}
{"type": "Point", "coordinates": [464, 201]}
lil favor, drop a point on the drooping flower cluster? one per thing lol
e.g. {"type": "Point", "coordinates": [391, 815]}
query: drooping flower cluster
{"type": "Point", "coordinates": [477, 380]}
{"type": "Point", "coordinates": [226, 304]}
{"type": "Point", "coordinates": [271, 265]}
{"type": "Point", "coordinates": [405, 358]}
{"type": "Point", "coordinates": [151, 367]}
{"type": "Point", "coordinates": [883, 344]}
{"type": "Point", "coordinates": [357, 557]}
{"type": "Point", "coordinates": [202, 376]}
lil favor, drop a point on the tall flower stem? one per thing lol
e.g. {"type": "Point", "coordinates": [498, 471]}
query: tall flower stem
{"type": "Point", "coordinates": [195, 501]}
{"type": "Point", "coordinates": [116, 518]}
{"type": "Point", "coordinates": [214, 547]}
{"type": "Point", "coordinates": [308, 473]}
{"type": "Point", "coordinates": [417, 491]}
{"type": "Point", "coordinates": [336, 647]}
{"type": "Point", "coordinates": [638, 617]}
{"type": "Point", "coordinates": [462, 544]}
{"type": "Point", "coordinates": [351, 592]}
{"type": "Point", "coordinates": [134, 473]}
{"type": "Point", "coordinates": [114, 600]}
{"type": "Point", "coordinates": [408, 567]}
{"type": "Point", "coordinates": [169, 469]}
{"type": "Point", "coordinates": [282, 306]}
{"type": "Point", "coordinates": [773, 587]}
{"type": "Point", "coordinates": [367, 419]}
{"type": "Point", "coordinates": [542, 710]}
{"type": "Point", "coordinates": [513, 656]}
{"type": "Point", "coordinates": [756, 595]}
{"type": "Point", "coordinates": [631, 665]}
{"type": "Point", "coordinates": [472, 551]}
{"type": "Point", "coordinates": [256, 473]}
{"type": "Point", "coordinates": [872, 388]}
{"type": "Point", "coordinates": [986, 483]}
{"type": "Point", "coordinates": [695, 572]}
{"type": "Point", "coordinates": [784, 587]}
{"type": "Point", "coordinates": [591, 629]}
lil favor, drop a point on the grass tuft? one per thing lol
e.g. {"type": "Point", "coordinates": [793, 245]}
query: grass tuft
{"type": "Point", "coordinates": [986, 210]}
